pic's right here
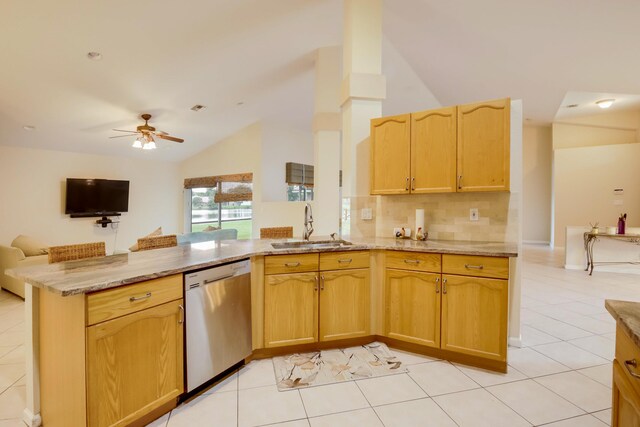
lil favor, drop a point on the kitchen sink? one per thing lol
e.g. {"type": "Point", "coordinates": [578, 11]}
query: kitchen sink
{"type": "Point", "coordinates": [317, 244]}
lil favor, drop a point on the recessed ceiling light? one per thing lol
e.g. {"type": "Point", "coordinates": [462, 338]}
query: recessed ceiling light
{"type": "Point", "coordinates": [198, 107]}
{"type": "Point", "coordinates": [571, 106]}
{"type": "Point", "coordinates": [94, 56]}
{"type": "Point", "coordinates": [240, 103]}
{"type": "Point", "coordinates": [29, 128]}
{"type": "Point", "coordinates": [605, 103]}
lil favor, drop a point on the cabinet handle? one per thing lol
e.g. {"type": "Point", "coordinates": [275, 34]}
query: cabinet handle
{"type": "Point", "coordinates": [633, 363]}
{"type": "Point", "coordinates": [437, 285]}
{"type": "Point", "coordinates": [181, 318]}
{"type": "Point", "coordinates": [406, 187]}
{"type": "Point", "coordinates": [412, 261]}
{"type": "Point", "coordinates": [444, 286]}
{"type": "Point", "coordinates": [134, 299]}
{"type": "Point", "coordinates": [413, 183]}
{"type": "Point", "coordinates": [476, 267]}
{"type": "Point", "coordinates": [292, 264]}
{"type": "Point", "coordinates": [460, 182]}
{"type": "Point", "coordinates": [345, 260]}
{"type": "Point", "coordinates": [315, 288]}
{"type": "Point", "coordinates": [322, 282]}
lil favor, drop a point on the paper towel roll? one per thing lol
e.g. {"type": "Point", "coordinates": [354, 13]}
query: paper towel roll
{"type": "Point", "coordinates": [419, 219]}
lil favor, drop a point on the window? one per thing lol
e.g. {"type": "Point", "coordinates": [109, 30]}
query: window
{"type": "Point", "coordinates": [222, 202]}
{"type": "Point", "coordinates": [299, 180]}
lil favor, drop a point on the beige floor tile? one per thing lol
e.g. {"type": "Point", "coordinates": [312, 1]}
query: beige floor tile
{"type": "Point", "coordinates": [14, 338]}
{"type": "Point", "coordinates": [9, 374]}
{"type": "Point", "coordinates": [15, 422]}
{"type": "Point", "coordinates": [488, 378]}
{"type": "Point", "coordinates": [597, 344]}
{"type": "Point", "coordinates": [15, 356]}
{"type": "Point", "coordinates": [221, 407]}
{"type": "Point", "coordinates": [415, 413]}
{"type": "Point", "coordinates": [440, 378]}
{"type": "Point", "coordinates": [602, 374]}
{"type": "Point", "coordinates": [559, 329]}
{"type": "Point", "coordinates": [390, 389]}
{"type": "Point", "coordinates": [258, 373]}
{"type": "Point", "coordinates": [570, 355]}
{"type": "Point", "coordinates": [533, 364]}
{"type": "Point", "coordinates": [267, 405]}
{"type": "Point", "coordinates": [604, 416]}
{"type": "Point", "coordinates": [230, 383]}
{"type": "Point", "coordinates": [332, 398]}
{"type": "Point", "coordinates": [295, 423]}
{"type": "Point", "coordinates": [578, 389]}
{"type": "Point", "coordinates": [535, 403]}
{"type": "Point", "coordinates": [582, 421]}
{"type": "Point", "coordinates": [361, 417]}
{"type": "Point", "coordinates": [479, 408]}
{"type": "Point", "coordinates": [12, 402]}
{"type": "Point", "coordinates": [531, 336]}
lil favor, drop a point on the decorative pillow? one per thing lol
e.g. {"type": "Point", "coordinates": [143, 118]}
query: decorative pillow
{"type": "Point", "coordinates": [210, 228]}
{"type": "Point", "coordinates": [156, 232]}
{"type": "Point", "coordinates": [30, 246]}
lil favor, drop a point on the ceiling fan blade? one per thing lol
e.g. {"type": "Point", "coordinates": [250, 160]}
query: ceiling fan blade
{"type": "Point", "coordinates": [120, 130]}
{"type": "Point", "coordinates": [170, 138]}
{"type": "Point", "coordinates": [160, 132]}
{"type": "Point", "coordinates": [120, 136]}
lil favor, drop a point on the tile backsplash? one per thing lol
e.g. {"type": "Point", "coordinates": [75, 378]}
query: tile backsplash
{"type": "Point", "coordinates": [446, 215]}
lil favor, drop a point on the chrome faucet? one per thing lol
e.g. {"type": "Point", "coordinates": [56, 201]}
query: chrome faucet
{"type": "Point", "coordinates": [308, 222]}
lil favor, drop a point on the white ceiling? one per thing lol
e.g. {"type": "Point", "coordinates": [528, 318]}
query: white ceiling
{"type": "Point", "coordinates": [586, 104]}
{"type": "Point", "coordinates": [162, 57]}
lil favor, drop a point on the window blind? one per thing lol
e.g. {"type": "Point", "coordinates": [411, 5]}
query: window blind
{"type": "Point", "coordinates": [299, 174]}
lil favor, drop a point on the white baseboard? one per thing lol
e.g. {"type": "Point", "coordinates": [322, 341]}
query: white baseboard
{"type": "Point", "coordinates": [537, 242]}
{"type": "Point", "coordinates": [515, 341]}
{"type": "Point", "coordinates": [31, 419]}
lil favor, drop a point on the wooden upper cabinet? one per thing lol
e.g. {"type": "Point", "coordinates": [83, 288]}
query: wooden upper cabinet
{"type": "Point", "coordinates": [483, 146]}
{"type": "Point", "coordinates": [433, 151]}
{"type": "Point", "coordinates": [390, 154]}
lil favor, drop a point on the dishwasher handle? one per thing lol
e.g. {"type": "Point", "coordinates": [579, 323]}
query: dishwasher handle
{"type": "Point", "coordinates": [207, 281]}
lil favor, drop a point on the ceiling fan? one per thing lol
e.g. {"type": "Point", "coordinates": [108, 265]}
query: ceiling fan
{"type": "Point", "coordinates": [146, 135]}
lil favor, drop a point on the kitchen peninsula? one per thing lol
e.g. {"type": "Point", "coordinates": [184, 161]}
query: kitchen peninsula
{"type": "Point", "coordinates": [449, 299]}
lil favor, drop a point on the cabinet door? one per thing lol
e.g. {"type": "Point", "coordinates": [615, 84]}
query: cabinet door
{"type": "Point", "coordinates": [483, 146]}
{"type": "Point", "coordinates": [344, 304]}
{"type": "Point", "coordinates": [290, 309]}
{"type": "Point", "coordinates": [474, 316]}
{"type": "Point", "coordinates": [390, 145]}
{"type": "Point", "coordinates": [413, 307]}
{"type": "Point", "coordinates": [433, 151]}
{"type": "Point", "coordinates": [625, 411]}
{"type": "Point", "coordinates": [134, 364]}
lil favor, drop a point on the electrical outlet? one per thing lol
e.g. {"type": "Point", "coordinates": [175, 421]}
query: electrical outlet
{"type": "Point", "coordinates": [366, 214]}
{"type": "Point", "coordinates": [473, 214]}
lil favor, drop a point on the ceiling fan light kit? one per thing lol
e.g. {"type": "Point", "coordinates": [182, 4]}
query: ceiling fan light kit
{"type": "Point", "coordinates": [145, 135]}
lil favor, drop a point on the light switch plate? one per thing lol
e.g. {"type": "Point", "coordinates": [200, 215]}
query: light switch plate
{"type": "Point", "coordinates": [366, 214]}
{"type": "Point", "coordinates": [473, 214]}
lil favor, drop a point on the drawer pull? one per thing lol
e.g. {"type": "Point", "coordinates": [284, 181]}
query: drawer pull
{"type": "Point", "coordinates": [444, 286]}
{"type": "Point", "coordinates": [475, 267]}
{"type": "Point", "coordinates": [134, 299]}
{"type": "Point", "coordinates": [315, 288]}
{"type": "Point", "coordinates": [345, 261]}
{"type": "Point", "coordinates": [437, 285]}
{"type": "Point", "coordinates": [633, 363]}
{"type": "Point", "coordinates": [322, 282]}
{"type": "Point", "coordinates": [292, 264]}
{"type": "Point", "coordinates": [406, 188]}
{"type": "Point", "coordinates": [412, 261]}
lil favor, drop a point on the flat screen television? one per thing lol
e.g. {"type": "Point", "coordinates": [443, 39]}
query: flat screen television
{"type": "Point", "coordinates": [96, 197]}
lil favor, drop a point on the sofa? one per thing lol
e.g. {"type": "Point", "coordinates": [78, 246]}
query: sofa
{"type": "Point", "coordinates": [11, 257]}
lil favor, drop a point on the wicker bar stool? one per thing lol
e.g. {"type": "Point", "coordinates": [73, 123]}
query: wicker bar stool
{"type": "Point", "coordinates": [157, 242]}
{"type": "Point", "coordinates": [276, 233]}
{"type": "Point", "coordinates": [73, 252]}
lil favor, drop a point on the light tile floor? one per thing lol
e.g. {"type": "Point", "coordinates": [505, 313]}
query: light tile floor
{"type": "Point", "coordinates": [560, 377]}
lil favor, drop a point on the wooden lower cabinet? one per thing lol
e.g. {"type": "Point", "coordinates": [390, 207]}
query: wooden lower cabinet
{"type": "Point", "coordinates": [290, 309]}
{"type": "Point", "coordinates": [413, 306]}
{"type": "Point", "coordinates": [474, 316]}
{"type": "Point", "coordinates": [625, 411]}
{"type": "Point", "coordinates": [344, 304]}
{"type": "Point", "coordinates": [134, 364]}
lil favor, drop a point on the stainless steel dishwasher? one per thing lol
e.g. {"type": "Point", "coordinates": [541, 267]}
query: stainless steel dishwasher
{"type": "Point", "coordinates": [218, 320]}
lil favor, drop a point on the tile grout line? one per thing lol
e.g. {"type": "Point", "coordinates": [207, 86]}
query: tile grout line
{"type": "Point", "coordinates": [434, 401]}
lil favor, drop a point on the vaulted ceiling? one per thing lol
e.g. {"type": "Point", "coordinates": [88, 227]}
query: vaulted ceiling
{"type": "Point", "coordinates": [250, 60]}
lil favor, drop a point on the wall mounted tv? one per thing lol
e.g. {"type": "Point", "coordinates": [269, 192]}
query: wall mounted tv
{"type": "Point", "coordinates": [96, 197]}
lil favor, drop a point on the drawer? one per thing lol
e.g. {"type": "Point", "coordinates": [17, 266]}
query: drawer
{"type": "Point", "coordinates": [296, 263]}
{"type": "Point", "coordinates": [415, 261]}
{"type": "Point", "coordinates": [626, 350]}
{"type": "Point", "coordinates": [112, 303]}
{"type": "Point", "coordinates": [344, 260]}
{"type": "Point", "coordinates": [478, 266]}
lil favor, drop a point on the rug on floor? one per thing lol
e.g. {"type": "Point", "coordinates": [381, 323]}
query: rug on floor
{"type": "Point", "coordinates": [332, 366]}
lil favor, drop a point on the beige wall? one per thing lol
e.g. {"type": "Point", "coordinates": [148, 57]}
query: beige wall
{"type": "Point", "coordinates": [32, 195]}
{"type": "Point", "coordinates": [536, 212]}
{"type": "Point", "coordinates": [603, 129]}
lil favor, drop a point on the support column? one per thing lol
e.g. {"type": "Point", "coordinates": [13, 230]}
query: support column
{"type": "Point", "coordinates": [31, 415]}
{"type": "Point", "coordinates": [326, 141]}
{"type": "Point", "coordinates": [363, 89]}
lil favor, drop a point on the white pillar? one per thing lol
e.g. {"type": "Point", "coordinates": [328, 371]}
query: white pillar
{"type": "Point", "coordinates": [326, 140]}
{"type": "Point", "coordinates": [31, 415]}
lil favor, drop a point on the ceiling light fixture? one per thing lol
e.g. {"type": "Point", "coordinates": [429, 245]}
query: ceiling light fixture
{"type": "Point", "coordinates": [138, 142]}
{"type": "Point", "coordinates": [29, 128]}
{"type": "Point", "coordinates": [94, 56]}
{"type": "Point", "coordinates": [605, 103]}
{"type": "Point", "coordinates": [149, 146]}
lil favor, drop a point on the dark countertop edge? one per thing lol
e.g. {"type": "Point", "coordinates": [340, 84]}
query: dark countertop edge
{"type": "Point", "coordinates": [193, 267]}
{"type": "Point", "coordinates": [623, 318]}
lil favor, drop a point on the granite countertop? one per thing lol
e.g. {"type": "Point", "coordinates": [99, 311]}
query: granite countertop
{"type": "Point", "coordinates": [627, 315]}
{"type": "Point", "coordinates": [82, 276]}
